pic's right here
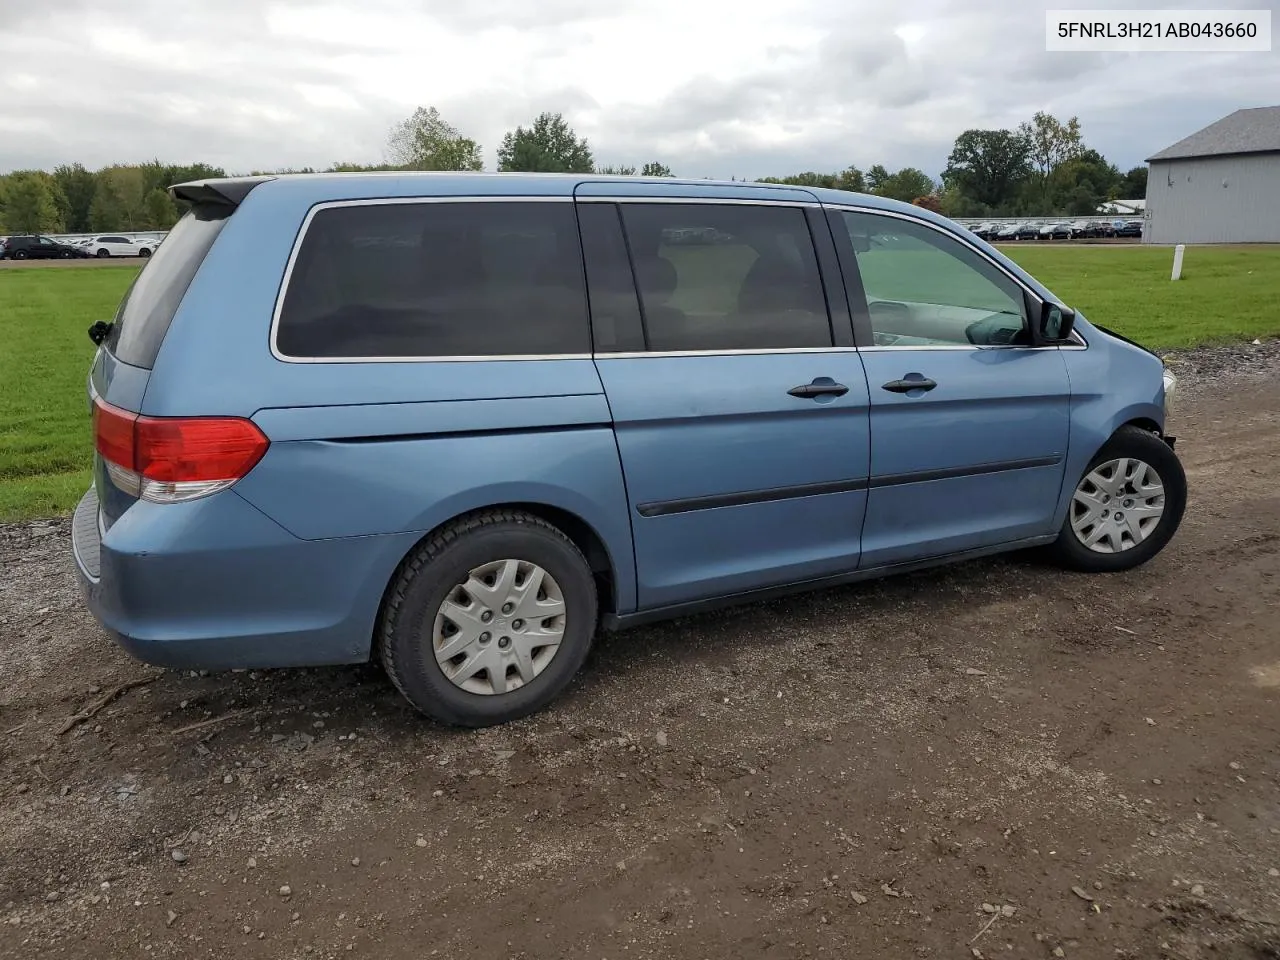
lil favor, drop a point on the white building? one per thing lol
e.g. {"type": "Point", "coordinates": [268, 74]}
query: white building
{"type": "Point", "coordinates": [1219, 185]}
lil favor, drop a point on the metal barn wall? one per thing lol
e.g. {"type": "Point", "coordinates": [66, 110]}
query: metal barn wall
{"type": "Point", "coordinates": [1233, 199]}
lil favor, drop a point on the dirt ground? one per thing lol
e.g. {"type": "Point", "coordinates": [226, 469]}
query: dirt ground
{"type": "Point", "coordinates": [997, 759]}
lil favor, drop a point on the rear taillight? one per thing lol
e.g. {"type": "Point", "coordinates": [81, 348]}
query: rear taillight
{"type": "Point", "coordinates": [169, 459]}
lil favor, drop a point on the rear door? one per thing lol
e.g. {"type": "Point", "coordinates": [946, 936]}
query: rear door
{"type": "Point", "coordinates": [969, 423]}
{"type": "Point", "coordinates": [739, 405]}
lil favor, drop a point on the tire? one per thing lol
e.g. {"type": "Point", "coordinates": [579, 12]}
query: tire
{"type": "Point", "coordinates": [412, 622]}
{"type": "Point", "coordinates": [20, 255]}
{"type": "Point", "coordinates": [64, 254]}
{"type": "Point", "coordinates": [104, 252]}
{"type": "Point", "coordinates": [1127, 444]}
{"type": "Point", "coordinates": [144, 253]}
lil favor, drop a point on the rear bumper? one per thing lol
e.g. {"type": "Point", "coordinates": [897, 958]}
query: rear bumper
{"type": "Point", "coordinates": [215, 584]}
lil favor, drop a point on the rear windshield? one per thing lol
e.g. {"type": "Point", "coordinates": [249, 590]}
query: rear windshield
{"type": "Point", "coordinates": [150, 303]}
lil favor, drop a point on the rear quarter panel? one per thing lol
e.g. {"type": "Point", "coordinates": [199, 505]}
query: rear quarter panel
{"type": "Point", "coordinates": [323, 488]}
{"type": "Point", "coordinates": [361, 449]}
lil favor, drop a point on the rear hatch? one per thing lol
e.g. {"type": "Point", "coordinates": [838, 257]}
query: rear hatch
{"type": "Point", "coordinates": [160, 459]}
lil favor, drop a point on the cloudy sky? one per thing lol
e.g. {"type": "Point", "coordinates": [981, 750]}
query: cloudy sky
{"type": "Point", "coordinates": [711, 87]}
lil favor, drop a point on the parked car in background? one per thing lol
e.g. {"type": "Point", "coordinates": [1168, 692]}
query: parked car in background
{"type": "Point", "coordinates": [1128, 228]}
{"type": "Point", "coordinates": [1008, 232]}
{"type": "Point", "coordinates": [1055, 231]}
{"type": "Point", "coordinates": [1028, 231]}
{"type": "Point", "coordinates": [750, 433]}
{"type": "Point", "coordinates": [987, 230]}
{"type": "Point", "coordinates": [35, 247]}
{"type": "Point", "coordinates": [110, 245]}
{"type": "Point", "coordinates": [1081, 229]}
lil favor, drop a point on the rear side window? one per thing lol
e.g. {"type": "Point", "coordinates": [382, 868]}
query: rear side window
{"type": "Point", "coordinates": [726, 277]}
{"type": "Point", "coordinates": [437, 279]}
{"type": "Point", "coordinates": [150, 303]}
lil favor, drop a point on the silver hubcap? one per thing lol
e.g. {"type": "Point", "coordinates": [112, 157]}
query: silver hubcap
{"type": "Point", "coordinates": [498, 630]}
{"type": "Point", "coordinates": [1117, 505]}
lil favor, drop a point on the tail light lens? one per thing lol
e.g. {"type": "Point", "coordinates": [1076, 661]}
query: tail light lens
{"type": "Point", "coordinates": [171, 459]}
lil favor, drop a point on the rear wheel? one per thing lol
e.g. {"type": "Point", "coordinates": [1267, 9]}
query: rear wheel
{"type": "Point", "coordinates": [19, 254]}
{"type": "Point", "coordinates": [489, 619]}
{"type": "Point", "coordinates": [104, 252]}
{"type": "Point", "coordinates": [1126, 507]}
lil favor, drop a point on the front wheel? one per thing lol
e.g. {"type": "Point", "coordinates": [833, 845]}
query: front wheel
{"type": "Point", "coordinates": [489, 619]}
{"type": "Point", "coordinates": [144, 252]}
{"type": "Point", "coordinates": [1126, 507]}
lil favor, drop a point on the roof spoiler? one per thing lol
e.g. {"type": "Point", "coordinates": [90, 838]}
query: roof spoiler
{"type": "Point", "coordinates": [222, 192]}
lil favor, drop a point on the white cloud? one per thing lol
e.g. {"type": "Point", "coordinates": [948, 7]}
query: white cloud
{"type": "Point", "coordinates": [713, 87]}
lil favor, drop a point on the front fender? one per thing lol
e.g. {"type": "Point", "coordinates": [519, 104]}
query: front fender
{"type": "Point", "coordinates": [1113, 383]}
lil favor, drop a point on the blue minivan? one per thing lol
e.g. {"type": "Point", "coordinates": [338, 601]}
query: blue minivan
{"type": "Point", "coordinates": [461, 422]}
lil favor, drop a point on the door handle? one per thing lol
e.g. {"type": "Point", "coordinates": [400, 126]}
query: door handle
{"type": "Point", "coordinates": [822, 387]}
{"type": "Point", "coordinates": [905, 386]}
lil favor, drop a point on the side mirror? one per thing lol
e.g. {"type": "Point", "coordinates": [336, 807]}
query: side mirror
{"type": "Point", "coordinates": [1054, 324]}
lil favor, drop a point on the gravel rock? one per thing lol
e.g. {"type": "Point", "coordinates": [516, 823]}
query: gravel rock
{"type": "Point", "coordinates": [1197, 890]}
{"type": "Point", "coordinates": [1199, 369]}
{"type": "Point", "coordinates": [661, 737]}
{"type": "Point", "coordinates": [178, 855]}
{"type": "Point", "coordinates": [286, 891]}
{"type": "Point", "coordinates": [857, 898]}
{"type": "Point", "coordinates": [988, 908]}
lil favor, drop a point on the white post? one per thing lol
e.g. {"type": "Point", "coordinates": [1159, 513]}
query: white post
{"type": "Point", "coordinates": [1177, 261]}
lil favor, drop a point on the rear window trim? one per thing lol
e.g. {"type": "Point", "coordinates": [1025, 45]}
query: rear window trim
{"type": "Point", "coordinates": [401, 201]}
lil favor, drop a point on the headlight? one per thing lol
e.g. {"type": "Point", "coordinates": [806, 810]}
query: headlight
{"type": "Point", "coordinates": [1170, 391]}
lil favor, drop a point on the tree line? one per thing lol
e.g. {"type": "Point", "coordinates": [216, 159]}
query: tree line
{"type": "Point", "coordinates": [1040, 168]}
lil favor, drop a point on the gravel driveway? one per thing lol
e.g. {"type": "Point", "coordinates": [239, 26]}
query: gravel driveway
{"type": "Point", "coordinates": [993, 760]}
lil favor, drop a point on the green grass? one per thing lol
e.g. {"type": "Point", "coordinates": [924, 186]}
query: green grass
{"type": "Point", "coordinates": [45, 353]}
{"type": "Point", "coordinates": [1225, 294]}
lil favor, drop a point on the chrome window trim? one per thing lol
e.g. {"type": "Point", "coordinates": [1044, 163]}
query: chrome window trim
{"type": "Point", "coordinates": [723, 201]}
{"type": "Point", "coordinates": [638, 354]}
{"type": "Point", "coordinates": [876, 211]}
{"type": "Point", "coordinates": [1079, 343]}
{"type": "Point", "coordinates": [399, 201]}
{"type": "Point", "coordinates": [756, 352]}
